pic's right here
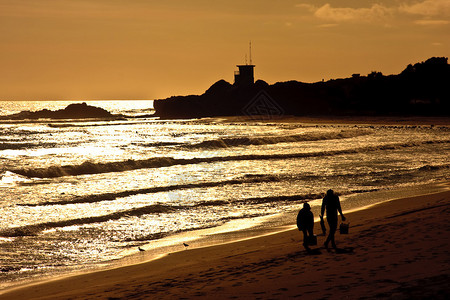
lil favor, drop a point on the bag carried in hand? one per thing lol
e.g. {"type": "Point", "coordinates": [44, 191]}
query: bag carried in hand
{"type": "Point", "coordinates": [343, 228]}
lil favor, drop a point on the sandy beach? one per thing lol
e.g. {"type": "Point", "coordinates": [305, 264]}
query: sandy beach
{"type": "Point", "coordinates": [397, 249]}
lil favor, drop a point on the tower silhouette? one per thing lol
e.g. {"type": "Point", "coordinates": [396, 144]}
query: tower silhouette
{"type": "Point", "coordinates": [245, 75]}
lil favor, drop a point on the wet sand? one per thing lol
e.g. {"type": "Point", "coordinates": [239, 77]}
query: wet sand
{"type": "Point", "coordinates": [397, 249]}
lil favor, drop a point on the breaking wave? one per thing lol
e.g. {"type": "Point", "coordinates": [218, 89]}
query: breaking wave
{"type": "Point", "coordinates": [267, 140]}
{"type": "Point", "coordinates": [246, 179]}
{"type": "Point", "coordinates": [34, 229]}
{"type": "Point", "coordinates": [434, 167]}
{"type": "Point", "coordinates": [98, 123]}
{"type": "Point", "coordinates": [31, 230]}
{"type": "Point", "coordinates": [158, 162]}
{"type": "Point", "coordinates": [20, 146]}
{"type": "Point", "coordinates": [7, 178]}
{"type": "Point", "coordinates": [113, 196]}
{"type": "Point", "coordinates": [159, 144]}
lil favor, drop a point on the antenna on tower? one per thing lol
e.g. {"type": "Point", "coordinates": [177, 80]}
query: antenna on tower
{"type": "Point", "coordinates": [250, 52]}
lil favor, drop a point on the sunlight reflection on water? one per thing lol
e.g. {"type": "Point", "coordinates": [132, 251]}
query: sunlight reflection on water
{"type": "Point", "coordinates": [234, 175]}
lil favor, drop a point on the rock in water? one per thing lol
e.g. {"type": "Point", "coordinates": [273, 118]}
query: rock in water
{"type": "Point", "coordinates": [72, 111]}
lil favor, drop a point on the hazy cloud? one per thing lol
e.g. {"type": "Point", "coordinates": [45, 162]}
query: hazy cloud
{"type": "Point", "coordinates": [345, 14]}
{"type": "Point", "coordinates": [432, 22]}
{"type": "Point", "coordinates": [428, 8]}
{"type": "Point", "coordinates": [306, 6]}
{"type": "Point", "coordinates": [433, 12]}
{"type": "Point", "coordinates": [328, 25]}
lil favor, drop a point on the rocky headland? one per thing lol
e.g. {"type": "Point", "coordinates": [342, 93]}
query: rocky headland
{"type": "Point", "coordinates": [420, 89]}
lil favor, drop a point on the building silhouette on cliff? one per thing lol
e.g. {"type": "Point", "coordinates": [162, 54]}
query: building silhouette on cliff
{"type": "Point", "coordinates": [245, 75]}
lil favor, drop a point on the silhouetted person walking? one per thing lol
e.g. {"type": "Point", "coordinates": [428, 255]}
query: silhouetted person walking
{"type": "Point", "coordinates": [332, 205]}
{"type": "Point", "coordinates": [305, 223]}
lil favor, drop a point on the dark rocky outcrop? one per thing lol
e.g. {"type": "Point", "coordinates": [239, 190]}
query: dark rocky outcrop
{"type": "Point", "coordinates": [421, 89]}
{"type": "Point", "coordinates": [72, 111]}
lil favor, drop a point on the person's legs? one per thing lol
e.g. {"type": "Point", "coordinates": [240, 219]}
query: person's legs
{"type": "Point", "coordinates": [305, 239]}
{"type": "Point", "coordinates": [333, 226]}
{"type": "Point", "coordinates": [332, 234]}
{"type": "Point", "coordinates": [311, 231]}
{"type": "Point", "coordinates": [328, 239]}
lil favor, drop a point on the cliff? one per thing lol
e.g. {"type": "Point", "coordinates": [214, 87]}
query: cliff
{"type": "Point", "coordinates": [421, 89]}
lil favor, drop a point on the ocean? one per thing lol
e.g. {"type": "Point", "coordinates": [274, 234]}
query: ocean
{"type": "Point", "coordinates": [77, 194]}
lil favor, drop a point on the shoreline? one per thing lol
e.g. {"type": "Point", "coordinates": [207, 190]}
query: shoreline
{"type": "Point", "coordinates": [230, 232]}
{"type": "Point", "coordinates": [285, 119]}
{"type": "Point", "coordinates": [333, 120]}
{"type": "Point", "coordinates": [138, 256]}
{"type": "Point", "coordinates": [212, 259]}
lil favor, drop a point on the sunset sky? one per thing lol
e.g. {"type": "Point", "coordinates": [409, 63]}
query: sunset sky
{"type": "Point", "coordinates": [148, 49]}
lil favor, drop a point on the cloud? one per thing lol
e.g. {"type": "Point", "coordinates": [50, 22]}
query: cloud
{"type": "Point", "coordinates": [433, 12]}
{"type": "Point", "coordinates": [306, 6]}
{"type": "Point", "coordinates": [427, 12]}
{"type": "Point", "coordinates": [427, 8]}
{"type": "Point", "coordinates": [328, 25]}
{"type": "Point", "coordinates": [348, 14]}
{"type": "Point", "coordinates": [432, 22]}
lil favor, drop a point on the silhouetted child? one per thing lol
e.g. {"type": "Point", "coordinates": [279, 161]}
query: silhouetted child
{"type": "Point", "coordinates": [305, 223]}
{"type": "Point", "coordinates": [332, 205]}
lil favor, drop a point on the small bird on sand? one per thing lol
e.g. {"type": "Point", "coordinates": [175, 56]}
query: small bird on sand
{"type": "Point", "coordinates": [186, 245]}
{"type": "Point", "coordinates": [140, 249]}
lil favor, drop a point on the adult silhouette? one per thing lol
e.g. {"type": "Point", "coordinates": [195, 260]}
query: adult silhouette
{"type": "Point", "coordinates": [332, 205]}
{"type": "Point", "coordinates": [305, 223]}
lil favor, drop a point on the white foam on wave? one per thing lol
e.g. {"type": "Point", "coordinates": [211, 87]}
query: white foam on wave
{"type": "Point", "coordinates": [66, 228]}
{"type": "Point", "coordinates": [6, 239]}
{"type": "Point", "coordinates": [8, 178]}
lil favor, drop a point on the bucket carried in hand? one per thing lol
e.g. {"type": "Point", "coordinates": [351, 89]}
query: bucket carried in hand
{"type": "Point", "coordinates": [343, 228]}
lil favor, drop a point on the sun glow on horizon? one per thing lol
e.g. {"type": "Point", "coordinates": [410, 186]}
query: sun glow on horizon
{"type": "Point", "coordinates": [150, 50]}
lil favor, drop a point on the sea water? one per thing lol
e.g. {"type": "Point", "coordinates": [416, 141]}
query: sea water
{"type": "Point", "coordinates": [78, 193]}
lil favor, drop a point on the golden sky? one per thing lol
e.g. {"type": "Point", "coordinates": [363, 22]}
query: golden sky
{"type": "Point", "coordinates": [149, 49]}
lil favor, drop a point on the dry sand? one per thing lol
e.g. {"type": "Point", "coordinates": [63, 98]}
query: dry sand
{"type": "Point", "coordinates": [398, 249]}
